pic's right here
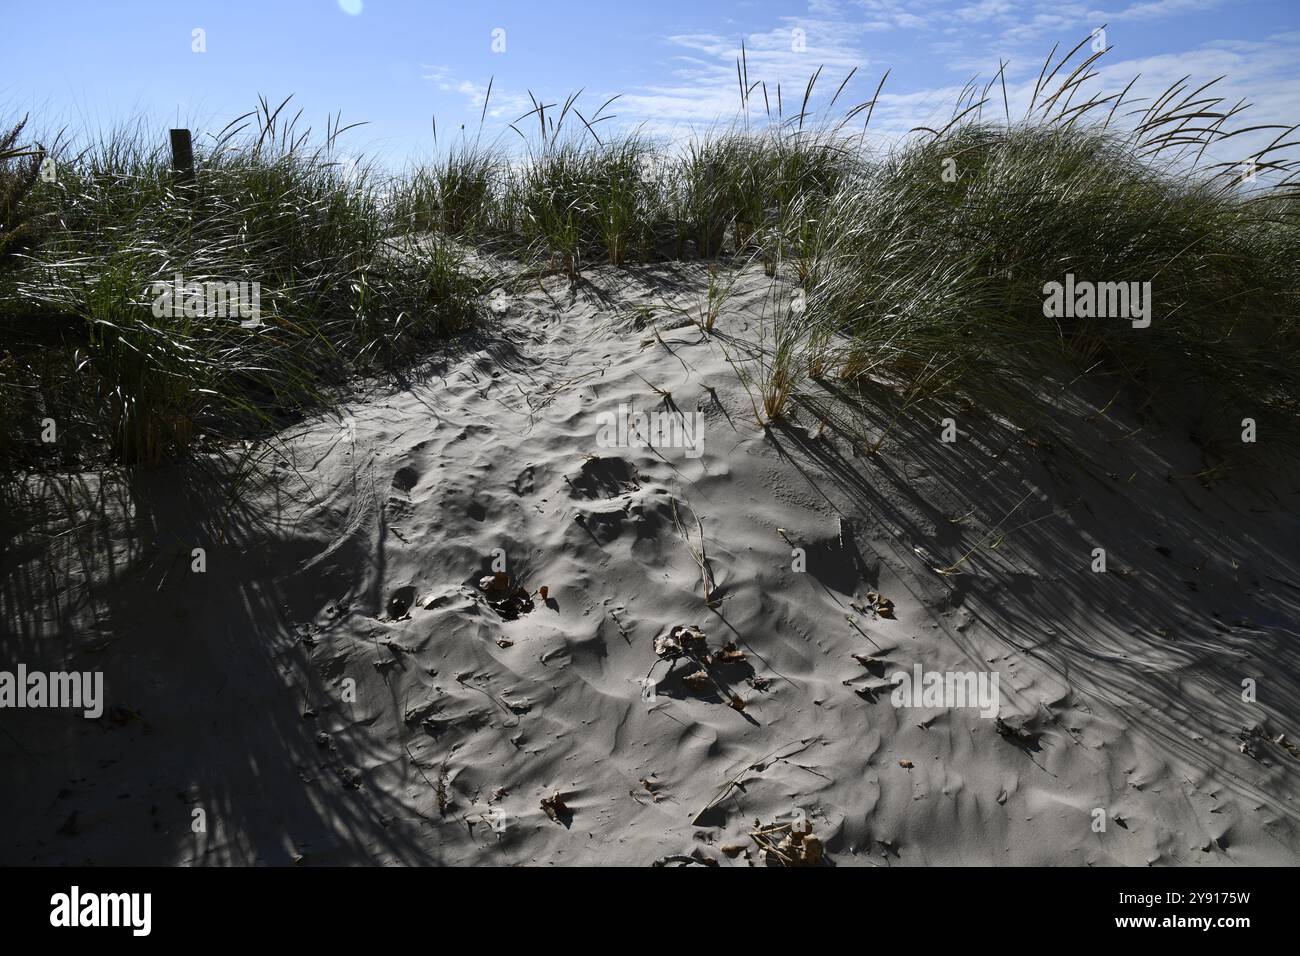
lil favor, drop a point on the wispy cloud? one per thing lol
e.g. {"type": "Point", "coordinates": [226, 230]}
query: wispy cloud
{"type": "Point", "coordinates": [504, 105]}
{"type": "Point", "coordinates": [774, 68]}
{"type": "Point", "coordinates": [1153, 10]}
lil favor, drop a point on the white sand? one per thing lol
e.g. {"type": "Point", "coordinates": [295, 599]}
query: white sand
{"type": "Point", "coordinates": [1130, 681]}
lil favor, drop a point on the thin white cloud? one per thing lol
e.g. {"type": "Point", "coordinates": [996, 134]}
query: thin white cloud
{"type": "Point", "coordinates": [703, 87]}
{"type": "Point", "coordinates": [1154, 10]}
{"type": "Point", "coordinates": [504, 105]}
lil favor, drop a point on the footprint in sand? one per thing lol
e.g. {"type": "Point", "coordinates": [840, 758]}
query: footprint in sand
{"type": "Point", "coordinates": [405, 478]}
{"type": "Point", "coordinates": [400, 602]}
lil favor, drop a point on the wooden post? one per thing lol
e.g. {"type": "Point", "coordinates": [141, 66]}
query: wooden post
{"type": "Point", "coordinates": [182, 156]}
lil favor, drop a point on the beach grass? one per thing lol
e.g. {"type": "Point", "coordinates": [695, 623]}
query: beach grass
{"type": "Point", "coordinates": [918, 273]}
{"type": "Point", "coordinates": [86, 348]}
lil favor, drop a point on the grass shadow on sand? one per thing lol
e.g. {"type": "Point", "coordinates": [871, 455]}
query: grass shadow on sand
{"type": "Point", "coordinates": [1192, 603]}
{"type": "Point", "coordinates": [195, 672]}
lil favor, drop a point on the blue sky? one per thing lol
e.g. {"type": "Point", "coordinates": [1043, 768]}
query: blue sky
{"type": "Point", "coordinates": [397, 63]}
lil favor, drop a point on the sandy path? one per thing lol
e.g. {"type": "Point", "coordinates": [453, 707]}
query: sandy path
{"type": "Point", "coordinates": [434, 728]}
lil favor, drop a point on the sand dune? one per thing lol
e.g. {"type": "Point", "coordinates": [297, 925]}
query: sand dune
{"type": "Point", "coordinates": [351, 680]}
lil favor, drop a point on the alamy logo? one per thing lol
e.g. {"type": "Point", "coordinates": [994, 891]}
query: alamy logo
{"type": "Point", "coordinates": [56, 689]}
{"type": "Point", "coordinates": [1101, 300]}
{"type": "Point", "coordinates": [222, 300]}
{"type": "Point", "coordinates": [923, 688]}
{"type": "Point", "coordinates": [629, 428]}
{"type": "Point", "coordinates": [103, 909]}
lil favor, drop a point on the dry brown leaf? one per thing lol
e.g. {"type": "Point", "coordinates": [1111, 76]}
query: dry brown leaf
{"type": "Point", "coordinates": [881, 604]}
{"type": "Point", "coordinates": [555, 807]}
{"type": "Point", "coordinates": [730, 654]}
{"type": "Point", "coordinates": [698, 681]}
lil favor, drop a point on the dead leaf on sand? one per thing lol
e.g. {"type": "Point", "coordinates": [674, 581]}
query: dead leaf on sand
{"type": "Point", "coordinates": [687, 641]}
{"type": "Point", "coordinates": [699, 681]}
{"type": "Point", "coordinates": [730, 654]}
{"type": "Point", "coordinates": [556, 808]}
{"type": "Point", "coordinates": [785, 844]}
{"type": "Point", "coordinates": [876, 604]}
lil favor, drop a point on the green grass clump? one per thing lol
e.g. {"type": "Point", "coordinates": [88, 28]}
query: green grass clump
{"type": "Point", "coordinates": [938, 283]}
{"type": "Point", "coordinates": [455, 195]}
{"type": "Point", "coordinates": [584, 202]}
{"type": "Point", "coordinates": [19, 171]}
{"type": "Point", "coordinates": [85, 348]}
{"type": "Point", "coordinates": [571, 197]}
